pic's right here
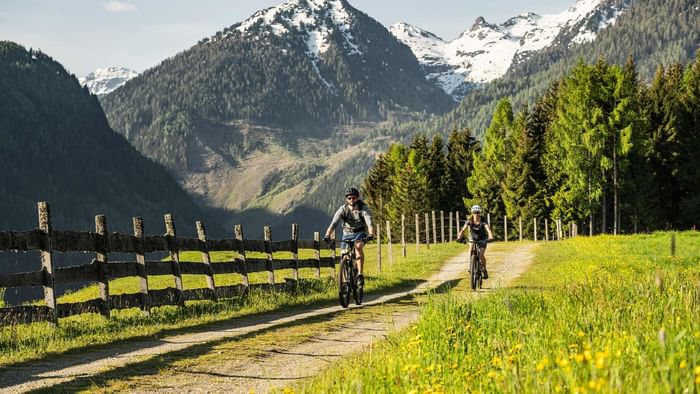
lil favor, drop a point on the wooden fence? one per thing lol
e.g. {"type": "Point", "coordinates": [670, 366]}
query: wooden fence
{"type": "Point", "coordinates": [102, 270]}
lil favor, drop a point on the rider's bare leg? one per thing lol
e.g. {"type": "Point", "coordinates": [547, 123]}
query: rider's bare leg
{"type": "Point", "coordinates": [482, 256]}
{"type": "Point", "coordinates": [359, 263]}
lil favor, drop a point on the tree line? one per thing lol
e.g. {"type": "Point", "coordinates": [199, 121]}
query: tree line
{"type": "Point", "coordinates": [599, 147]}
{"type": "Point", "coordinates": [421, 176]}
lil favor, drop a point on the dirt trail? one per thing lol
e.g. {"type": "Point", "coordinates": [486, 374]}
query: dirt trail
{"type": "Point", "coordinates": [281, 365]}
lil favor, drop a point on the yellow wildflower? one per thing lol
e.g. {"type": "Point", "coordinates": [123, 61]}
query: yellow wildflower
{"type": "Point", "coordinates": [542, 364]}
{"type": "Point", "coordinates": [578, 357]}
{"type": "Point", "coordinates": [581, 334]}
{"type": "Point", "coordinates": [697, 370]}
{"type": "Point", "coordinates": [587, 355]}
{"type": "Point", "coordinates": [600, 362]}
{"type": "Point", "coordinates": [496, 361]}
{"type": "Point", "coordinates": [491, 374]}
{"type": "Point", "coordinates": [682, 364]}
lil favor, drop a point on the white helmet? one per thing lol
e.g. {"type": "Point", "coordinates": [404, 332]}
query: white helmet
{"type": "Point", "coordinates": [476, 209]}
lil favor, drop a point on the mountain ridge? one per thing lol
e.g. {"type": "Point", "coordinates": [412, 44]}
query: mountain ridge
{"type": "Point", "coordinates": [486, 51]}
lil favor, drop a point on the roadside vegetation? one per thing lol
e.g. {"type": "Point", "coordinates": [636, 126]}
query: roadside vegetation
{"type": "Point", "coordinates": [610, 314]}
{"type": "Point", "coordinates": [35, 341]}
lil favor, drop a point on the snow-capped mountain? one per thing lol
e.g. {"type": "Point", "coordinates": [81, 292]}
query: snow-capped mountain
{"type": "Point", "coordinates": [105, 80]}
{"type": "Point", "coordinates": [486, 51]}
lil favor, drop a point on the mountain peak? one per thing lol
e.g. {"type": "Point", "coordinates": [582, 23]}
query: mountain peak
{"type": "Point", "coordinates": [106, 80]}
{"type": "Point", "coordinates": [480, 23]}
{"type": "Point", "coordinates": [486, 51]}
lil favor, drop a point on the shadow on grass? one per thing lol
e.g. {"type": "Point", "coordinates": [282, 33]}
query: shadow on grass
{"type": "Point", "coordinates": [26, 371]}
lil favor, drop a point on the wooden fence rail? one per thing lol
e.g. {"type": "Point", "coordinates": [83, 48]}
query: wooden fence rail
{"type": "Point", "coordinates": [101, 270]}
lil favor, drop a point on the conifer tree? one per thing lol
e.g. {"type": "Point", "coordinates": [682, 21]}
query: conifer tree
{"type": "Point", "coordinates": [461, 148]}
{"type": "Point", "coordinates": [663, 107]}
{"type": "Point", "coordinates": [485, 182]}
{"type": "Point", "coordinates": [689, 123]}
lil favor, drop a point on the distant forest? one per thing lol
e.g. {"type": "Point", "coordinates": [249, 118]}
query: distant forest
{"type": "Point", "coordinates": [599, 147]}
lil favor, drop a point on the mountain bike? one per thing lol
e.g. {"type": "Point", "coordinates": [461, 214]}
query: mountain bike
{"type": "Point", "coordinates": [475, 269]}
{"type": "Point", "coordinates": [347, 277]}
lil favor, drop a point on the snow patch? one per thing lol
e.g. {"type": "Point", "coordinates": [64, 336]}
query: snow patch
{"type": "Point", "coordinates": [486, 51]}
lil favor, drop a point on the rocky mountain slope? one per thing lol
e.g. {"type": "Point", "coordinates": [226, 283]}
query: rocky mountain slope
{"type": "Point", "coordinates": [106, 80]}
{"type": "Point", "coordinates": [487, 51]}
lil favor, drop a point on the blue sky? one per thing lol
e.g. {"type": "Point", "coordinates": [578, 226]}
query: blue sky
{"type": "Point", "coordinates": [88, 34]}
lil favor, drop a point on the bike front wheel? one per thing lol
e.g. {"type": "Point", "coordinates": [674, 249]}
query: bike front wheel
{"type": "Point", "coordinates": [344, 282]}
{"type": "Point", "coordinates": [475, 272]}
{"type": "Point", "coordinates": [357, 290]}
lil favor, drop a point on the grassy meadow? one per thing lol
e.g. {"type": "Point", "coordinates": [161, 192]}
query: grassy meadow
{"type": "Point", "coordinates": [601, 314]}
{"type": "Point", "coordinates": [28, 342]}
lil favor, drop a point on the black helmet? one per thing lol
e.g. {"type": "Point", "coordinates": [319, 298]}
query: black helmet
{"type": "Point", "coordinates": [352, 192]}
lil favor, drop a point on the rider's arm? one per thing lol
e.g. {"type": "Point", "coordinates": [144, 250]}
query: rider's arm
{"type": "Point", "coordinates": [334, 222]}
{"type": "Point", "coordinates": [461, 232]}
{"type": "Point", "coordinates": [488, 230]}
{"type": "Point", "coordinates": [368, 220]}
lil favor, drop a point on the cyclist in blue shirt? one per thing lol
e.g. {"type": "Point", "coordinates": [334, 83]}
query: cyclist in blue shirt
{"type": "Point", "coordinates": [357, 225]}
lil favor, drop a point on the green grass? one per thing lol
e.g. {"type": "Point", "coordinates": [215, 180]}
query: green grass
{"type": "Point", "coordinates": [22, 343]}
{"type": "Point", "coordinates": [608, 314]}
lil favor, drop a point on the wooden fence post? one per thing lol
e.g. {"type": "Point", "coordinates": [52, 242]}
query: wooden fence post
{"type": "Point", "coordinates": [202, 235]}
{"type": "Point", "coordinates": [673, 244]}
{"type": "Point", "coordinates": [558, 229]}
{"type": "Point", "coordinates": [403, 235]}
{"type": "Point", "coordinates": [317, 252]}
{"type": "Point", "coordinates": [450, 226]}
{"type": "Point", "coordinates": [47, 259]}
{"type": "Point", "coordinates": [333, 256]}
{"type": "Point", "coordinates": [141, 266]}
{"type": "Point", "coordinates": [520, 228]}
{"type": "Point", "coordinates": [505, 228]}
{"type": "Point", "coordinates": [267, 231]}
{"type": "Point", "coordinates": [458, 225]}
{"type": "Point", "coordinates": [388, 242]}
{"type": "Point", "coordinates": [417, 234]}
{"type": "Point", "coordinates": [427, 230]}
{"type": "Point", "coordinates": [238, 231]}
{"type": "Point", "coordinates": [379, 248]}
{"type": "Point", "coordinates": [442, 226]}
{"type": "Point", "coordinates": [174, 258]}
{"type": "Point", "coordinates": [295, 251]}
{"type": "Point", "coordinates": [102, 250]}
{"type": "Point", "coordinates": [434, 229]}
{"type": "Point", "coordinates": [534, 227]}
{"type": "Point", "coordinates": [546, 230]}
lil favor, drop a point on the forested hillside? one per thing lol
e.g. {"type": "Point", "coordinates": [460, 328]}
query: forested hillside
{"type": "Point", "coordinates": [651, 32]}
{"type": "Point", "coordinates": [600, 148]}
{"type": "Point", "coordinates": [57, 146]}
{"type": "Point", "coordinates": [249, 75]}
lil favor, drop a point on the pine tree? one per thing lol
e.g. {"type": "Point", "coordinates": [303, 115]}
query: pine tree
{"type": "Point", "coordinates": [689, 125]}
{"type": "Point", "coordinates": [461, 148]}
{"type": "Point", "coordinates": [435, 170]}
{"type": "Point", "coordinates": [485, 182]}
{"type": "Point", "coordinates": [663, 107]}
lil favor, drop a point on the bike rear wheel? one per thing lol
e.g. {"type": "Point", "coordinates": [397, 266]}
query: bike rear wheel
{"type": "Point", "coordinates": [475, 272]}
{"type": "Point", "coordinates": [344, 282]}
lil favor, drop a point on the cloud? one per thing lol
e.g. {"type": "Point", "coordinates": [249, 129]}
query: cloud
{"type": "Point", "coordinates": [117, 6]}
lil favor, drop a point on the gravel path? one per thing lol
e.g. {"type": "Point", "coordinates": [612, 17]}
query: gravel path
{"type": "Point", "coordinates": [277, 368]}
